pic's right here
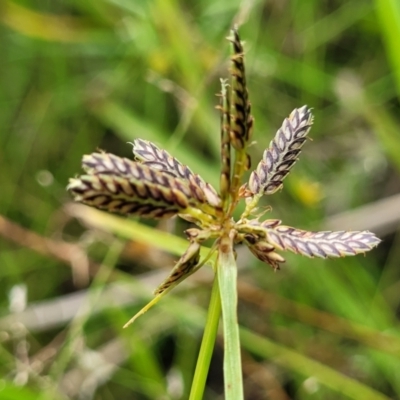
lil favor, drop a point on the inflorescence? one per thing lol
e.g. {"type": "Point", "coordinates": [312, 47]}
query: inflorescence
{"type": "Point", "coordinates": [157, 185]}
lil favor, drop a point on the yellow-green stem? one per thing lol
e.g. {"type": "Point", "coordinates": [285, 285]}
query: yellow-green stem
{"type": "Point", "coordinates": [207, 344]}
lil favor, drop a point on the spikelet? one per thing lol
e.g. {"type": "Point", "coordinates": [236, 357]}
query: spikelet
{"type": "Point", "coordinates": [225, 176]}
{"type": "Point", "coordinates": [108, 164]}
{"type": "Point", "coordinates": [264, 251]}
{"type": "Point", "coordinates": [145, 192]}
{"type": "Point", "coordinates": [311, 244]}
{"type": "Point", "coordinates": [185, 265]}
{"type": "Point", "coordinates": [241, 119]}
{"type": "Point", "coordinates": [263, 238]}
{"type": "Point", "coordinates": [322, 244]}
{"type": "Point", "coordinates": [149, 154]}
{"type": "Point", "coordinates": [281, 154]}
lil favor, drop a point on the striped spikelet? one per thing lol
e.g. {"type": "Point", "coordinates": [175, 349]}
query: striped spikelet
{"type": "Point", "coordinates": [263, 238]}
{"type": "Point", "coordinates": [108, 164]}
{"type": "Point", "coordinates": [281, 154]}
{"type": "Point", "coordinates": [322, 244]}
{"type": "Point", "coordinates": [144, 192]}
{"type": "Point", "coordinates": [149, 154]}
{"type": "Point", "coordinates": [225, 175]}
{"type": "Point", "coordinates": [241, 119]}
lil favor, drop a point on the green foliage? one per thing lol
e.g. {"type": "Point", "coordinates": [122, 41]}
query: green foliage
{"type": "Point", "coordinates": [113, 72]}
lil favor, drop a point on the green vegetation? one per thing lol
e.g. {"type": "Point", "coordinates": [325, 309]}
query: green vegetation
{"type": "Point", "coordinates": [87, 75]}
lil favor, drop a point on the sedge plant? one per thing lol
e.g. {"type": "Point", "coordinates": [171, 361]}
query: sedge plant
{"type": "Point", "coordinates": [157, 185]}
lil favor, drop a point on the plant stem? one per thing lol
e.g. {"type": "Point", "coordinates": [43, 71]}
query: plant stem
{"type": "Point", "coordinates": [227, 276]}
{"type": "Point", "coordinates": [207, 344]}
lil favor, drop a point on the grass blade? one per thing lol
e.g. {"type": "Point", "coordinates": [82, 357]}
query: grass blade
{"type": "Point", "coordinates": [227, 276]}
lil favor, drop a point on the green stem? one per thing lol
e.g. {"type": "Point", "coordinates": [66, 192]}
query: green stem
{"type": "Point", "coordinates": [227, 276]}
{"type": "Point", "coordinates": [207, 344]}
{"type": "Point", "coordinates": [250, 206]}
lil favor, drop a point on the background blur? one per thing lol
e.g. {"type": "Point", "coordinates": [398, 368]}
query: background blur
{"type": "Point", "coordinates": [80, 75]}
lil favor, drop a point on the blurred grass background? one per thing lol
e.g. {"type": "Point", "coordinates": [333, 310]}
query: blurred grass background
{"type": "Point", "coordinates": [76, 76]}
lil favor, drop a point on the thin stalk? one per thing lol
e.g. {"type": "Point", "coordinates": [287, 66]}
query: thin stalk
{"type": "Point", "coordinates": [241, 161]}
{"type": "Point", "coordinates": [207, 344]}
{"type": "Point", "coordinates": [227, 277]}
{"type": "Point", "coordinates": [251, 205]}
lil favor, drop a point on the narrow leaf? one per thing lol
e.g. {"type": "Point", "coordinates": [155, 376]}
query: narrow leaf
{"type": "Point", "coordinates": [188, 264]}
{"type": "Point", "coordinates": [227, 278]}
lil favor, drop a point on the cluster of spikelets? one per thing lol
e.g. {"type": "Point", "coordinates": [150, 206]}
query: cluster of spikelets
{"type": "Point", "coordinates": [157, 185]}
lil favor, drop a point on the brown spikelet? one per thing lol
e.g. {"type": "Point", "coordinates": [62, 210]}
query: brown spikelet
{"type": "Point", "coordinates": [264, 237]}
{"type": "Point", "coordinates": [321, 244]}
{"type": "Point", "coordinates": [198, 235]}
{"type": "Point", "coordinates": [264, 251]}
{"type": "Point", "coordinates": [241, 120]}
{"type": "Point", "coordinates": [281, 154]}
{"type": "Point", "coordinates": [149, 154]}
{"type": "Point", "coordinates": [107, 164]}
{"type": "Point", "coordinates": [225, 177]}
{"type": "Point", "coordinates": [182, 269]}
{"type": "Point", "coordinates": [145, 192]}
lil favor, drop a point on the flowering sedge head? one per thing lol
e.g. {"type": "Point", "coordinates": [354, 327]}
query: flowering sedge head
{"type": "Point", "coordinates": [156, 185]}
